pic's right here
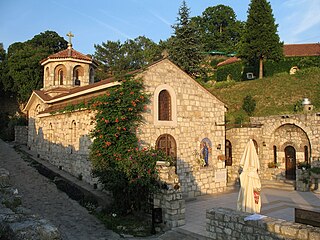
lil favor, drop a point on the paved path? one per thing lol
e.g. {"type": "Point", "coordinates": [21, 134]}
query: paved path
{"type": "Point", "coordinates": [75, 223]}
{"type": "Point", "coordinates": [276, 203]}
{"type": "Point", "coordinates": [41, 196]}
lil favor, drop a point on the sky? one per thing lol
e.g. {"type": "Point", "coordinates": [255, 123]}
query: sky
{"type": "Point", "coordinates": [97, 21]}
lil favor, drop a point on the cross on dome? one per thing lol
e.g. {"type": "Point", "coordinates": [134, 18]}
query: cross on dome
{"type": "Point", "coordinates": [70, 35]}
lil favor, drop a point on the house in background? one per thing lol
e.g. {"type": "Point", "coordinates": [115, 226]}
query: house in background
{"type": "Point", "coordinates": [295, 52]}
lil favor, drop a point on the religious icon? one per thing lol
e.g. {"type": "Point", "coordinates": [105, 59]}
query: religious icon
{"type": "Point", "coordinates": [206, 151]}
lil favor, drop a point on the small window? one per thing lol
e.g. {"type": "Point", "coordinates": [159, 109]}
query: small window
{"type": "Point", "coordinates": [306, 154]}
{"type": "Point", "coordinates": [164, 106]}
{"type": "Point", "coordinates": [228, 153]}
{"type": "Point", "coordinates": [255, 145]}
{"type": "Point", "coordinates": [60, 74]}
{"type": "Point", "coordinates": [275, 154]}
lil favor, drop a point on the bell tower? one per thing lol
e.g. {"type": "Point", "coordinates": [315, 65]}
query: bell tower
{"type": "Point", "coordinates": [67, 69]}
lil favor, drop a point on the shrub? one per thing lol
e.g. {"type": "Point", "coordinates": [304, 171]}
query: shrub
{"type": "Point", "coordinates": [249, 105]}
{"type": "Point", "coordinates": [230, 71]}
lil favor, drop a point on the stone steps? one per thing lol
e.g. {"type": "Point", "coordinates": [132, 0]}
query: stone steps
{"type": "Point", "coordinates": [287, 185]}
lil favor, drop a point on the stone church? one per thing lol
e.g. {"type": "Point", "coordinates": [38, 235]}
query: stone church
{"type": "Point", "coordinates": [182, 117]}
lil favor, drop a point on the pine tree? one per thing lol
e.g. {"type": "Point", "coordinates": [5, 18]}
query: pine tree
{"type": "Point", "coordinates": [260, 39]}
{"type": "Point", "coordinates": [183, 47]}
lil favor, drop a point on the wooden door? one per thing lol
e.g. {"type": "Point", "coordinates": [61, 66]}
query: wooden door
{"type": "Point", "coordinates": [290, 154]}
{"type": "Point", "coordinates": [167, 144]}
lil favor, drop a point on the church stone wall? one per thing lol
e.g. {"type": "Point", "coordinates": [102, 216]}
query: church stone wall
{"type": "Point", "coordinates": [195, 114]}
{"type": "Point", "coordinates": [63, 140]}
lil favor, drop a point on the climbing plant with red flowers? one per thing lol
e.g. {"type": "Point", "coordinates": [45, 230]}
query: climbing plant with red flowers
{"type": "Point", "coordinates": [124, 168]}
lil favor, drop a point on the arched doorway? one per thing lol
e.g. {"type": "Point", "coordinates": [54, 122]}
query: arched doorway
{"type": "Point", "coordinates": [290, 155]}
{"type": "Point", "coordinates": [167, 144]}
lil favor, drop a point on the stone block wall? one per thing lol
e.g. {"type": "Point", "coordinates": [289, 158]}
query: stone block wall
{"type": "Point", "coordinates": [195, 113]}
{"type": "Point", "coordinates": [21, 134]}
{"type": "Point", "coordinates": [227, 224]}
{"type": "Point", "coordinates": [63, 140]}
{"type": "Point", "coordinates": [299, 131]}
{"type": "Point", "coordinates": [173, 207]}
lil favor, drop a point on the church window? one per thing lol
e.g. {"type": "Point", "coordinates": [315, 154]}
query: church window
{"type": "Point", "coordinates": [164, 106]}
{"type": "Point", "coordinates": [60, 74]}
{"type": "Point", "coordinates": [306, 154]}
{"type": "Point", "coordinates": [73, 132]}
{"type": "Point", "coordinates": [76, 76]}
{"type": "Point", "coordinates": [228, 153]}
{"type": "Point", "coordinates": [50, 137]}
{"type": "Point", "coordinates": [47, 74]}
{"type": "Point", "coordinates": [91, 76]}
{"type": "Point", "coordinates": [255, 145]}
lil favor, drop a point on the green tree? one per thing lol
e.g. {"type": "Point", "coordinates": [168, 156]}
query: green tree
{"type": "Point", "coordinates": [249, 105]}
{"type": "Point", "coordinates": [23, 71]}
{"type": "Point", "coordinates": [2, 66]}
{"type": "Point", "coordinates": [219, 29]}
{"type": "Point", "coordinates": [117, 58]}
{"type": "Point", "coordinates": [183, 46]}
{"type": "Point", "coordinates": [260, 40]}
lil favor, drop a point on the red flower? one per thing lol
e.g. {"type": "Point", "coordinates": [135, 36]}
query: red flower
{"type": "Point", "coordinates": [108, 143]}
{"type": "Point", "coordinates": [131, 93]}
{"type": "Point", "coordinates": [117, 120]}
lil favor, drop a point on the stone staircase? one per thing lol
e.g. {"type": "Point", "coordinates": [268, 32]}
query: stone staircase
{"type": "Point", "coordinates": [288, 185]}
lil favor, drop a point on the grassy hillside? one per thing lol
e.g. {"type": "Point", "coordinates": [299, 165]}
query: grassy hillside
{"type": "Point", "coordinates": [273, 95]}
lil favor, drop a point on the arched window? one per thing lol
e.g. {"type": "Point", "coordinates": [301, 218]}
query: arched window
{"type": "Point", "coordinates": [255, 145]}
{"type": "Point", "coordinates": [91, 76]}
{"type": "Point", "coordinates": [73, 132]}
{"type": "Point", "coordinates": [47, 74]}
{"type": "Point", "coordinates": [228, 153]}
{"type": "Point", "coordinates": [50, 137]}
{"type": "Point", "coordinates": [275, 154]}
{"type": "Point", "coordinates": [306, 154]}
{"type": "Point", "coordinates": [76, 78]}
{"type": "Point", "coordinates": [60, 75]}
{"type": "Point", "coordinates": [164, 106]}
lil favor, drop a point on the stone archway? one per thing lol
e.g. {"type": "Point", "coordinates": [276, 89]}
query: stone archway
{"type": "Point", "coordinates": [291, 135]}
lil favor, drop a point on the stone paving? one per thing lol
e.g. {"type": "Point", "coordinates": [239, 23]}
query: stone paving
{"type": "Point", "coordinates": [41, 196]}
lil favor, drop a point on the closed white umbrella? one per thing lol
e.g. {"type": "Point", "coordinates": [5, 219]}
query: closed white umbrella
{"type": "Point", "coordinates": [249, 199]}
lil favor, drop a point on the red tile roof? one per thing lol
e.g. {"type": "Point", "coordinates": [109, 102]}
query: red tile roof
{"type": "Point", "coordinates": [289, 50]}
{"type": "Point", "coordinates": [301, 50]}
{"type": "Point", "coordinates": [228, 61]}
{"type": "Point", "coordinates": [68, 53]}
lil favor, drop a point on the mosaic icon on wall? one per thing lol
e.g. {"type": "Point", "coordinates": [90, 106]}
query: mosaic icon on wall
{"type": "Point", "coordinates": [206, 151]}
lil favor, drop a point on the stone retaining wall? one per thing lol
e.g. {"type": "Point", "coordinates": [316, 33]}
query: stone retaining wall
{"type": "Point", "coordinates": [18, 223]}
{"type": "Point", "coordinates": [173, 207]}
{"type": "Point", "coordinates": [170, 199]}
{"type": "Point", "coordinates": [227, 224]}
{"type": "Point", "coordinates": [21, 134]}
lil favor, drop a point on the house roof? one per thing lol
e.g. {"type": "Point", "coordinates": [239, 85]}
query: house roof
{"type": "Point", "coordinates": [289, 50]}
{"type": "Point", "coordinates": [228, 61]}
{"type": "Point", "coordinates": [301, 50]}
{"type": "Point", "coordinates": [68, 53]}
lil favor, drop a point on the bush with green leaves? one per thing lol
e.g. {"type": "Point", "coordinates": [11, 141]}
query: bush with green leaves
{"type": "Point", "coordinates": [249, 105]}
{"type": "Point", "coordinates": [120, 163]}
